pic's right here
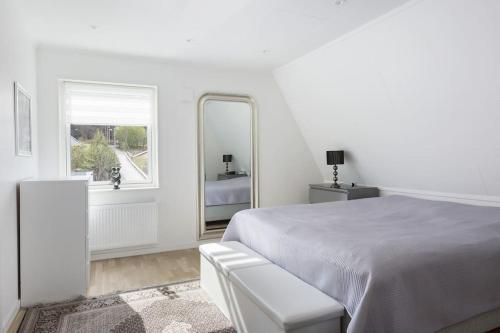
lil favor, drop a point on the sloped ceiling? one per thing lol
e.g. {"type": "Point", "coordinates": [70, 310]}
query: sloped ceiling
{"type": "Point", "coordinates": [412, 97]}
{"type": "Point", "coordinates": [237, 33]}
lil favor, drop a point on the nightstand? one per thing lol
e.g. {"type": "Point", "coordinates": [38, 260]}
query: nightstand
{"type": "Point", "coordinates": [223, 176]}
{"type": "Point", "coordinates": [325, 193]}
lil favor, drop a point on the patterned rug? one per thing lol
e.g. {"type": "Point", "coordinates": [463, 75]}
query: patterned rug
{"type": "Point", "coordinates": [177, 308]}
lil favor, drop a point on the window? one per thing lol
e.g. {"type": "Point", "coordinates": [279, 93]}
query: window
{"type": "Point", "coordinates": [108, 125]}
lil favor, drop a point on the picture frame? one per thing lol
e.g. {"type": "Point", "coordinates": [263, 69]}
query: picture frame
{"type": "Point", "coordinates": [22, 111]}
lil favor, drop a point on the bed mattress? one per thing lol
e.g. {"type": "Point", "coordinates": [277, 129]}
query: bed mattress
{"type": "Point", "coordinates": [397, 264]}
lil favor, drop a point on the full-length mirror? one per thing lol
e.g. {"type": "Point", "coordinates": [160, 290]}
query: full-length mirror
{"type": "Point", "coordinates": [227, 157]}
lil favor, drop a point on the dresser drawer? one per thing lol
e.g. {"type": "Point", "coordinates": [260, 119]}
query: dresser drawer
{"type": "Point", "coordinates": [316, 196]}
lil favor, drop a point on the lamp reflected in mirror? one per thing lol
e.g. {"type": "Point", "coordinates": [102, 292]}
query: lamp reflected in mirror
{"type": "Point", "coordinates": [227, 159]}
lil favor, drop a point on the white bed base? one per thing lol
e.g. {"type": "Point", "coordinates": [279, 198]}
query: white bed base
{"type": "Point", "coordinates": [223, 212]}
{"type": "Point", "coordinates": [479, 324]}
{"type": "Point", "coordinates": [482, 323]}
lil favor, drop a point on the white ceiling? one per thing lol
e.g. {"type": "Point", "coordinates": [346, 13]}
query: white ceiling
{"type": "Point", "coordinates": [222, 32]}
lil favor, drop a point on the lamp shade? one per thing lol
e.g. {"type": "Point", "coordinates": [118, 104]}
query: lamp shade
{"type": "Point", "coordinates": [227, 158]}
{"type": "Point", "coordinates": [334, 157]}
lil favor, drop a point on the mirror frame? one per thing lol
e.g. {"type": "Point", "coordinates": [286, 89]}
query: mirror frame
{"type": "Point", "coordinates": [202, 233]}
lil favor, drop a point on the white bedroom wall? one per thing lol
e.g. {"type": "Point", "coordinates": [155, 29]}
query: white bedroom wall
{"type": "Point", "coordinates": [286, 165]}
{"type": "Point", "coordinates": [413, 98]}
{"type": "Point", "coordinates": [17, 63]}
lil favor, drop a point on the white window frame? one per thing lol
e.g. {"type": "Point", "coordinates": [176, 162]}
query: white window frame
{"type": "Point", "coordinates": [65, 142]}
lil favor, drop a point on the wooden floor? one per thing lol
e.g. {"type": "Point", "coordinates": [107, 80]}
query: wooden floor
{"type": "Point", "coordinates": [17, 321]}
{"type": "Point", "coordinates": [130, 273]}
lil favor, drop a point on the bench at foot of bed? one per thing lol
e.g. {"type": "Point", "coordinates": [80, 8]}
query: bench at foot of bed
{"type": "Point", "coordinates": [258, 296]}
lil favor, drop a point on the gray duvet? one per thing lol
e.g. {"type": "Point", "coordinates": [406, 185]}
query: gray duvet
{"type": "Point", "coordinates": [397, 264]}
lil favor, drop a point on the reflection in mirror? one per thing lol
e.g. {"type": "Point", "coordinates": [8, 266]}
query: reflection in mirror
{"type": "Point", "coordinates": [227, 169]}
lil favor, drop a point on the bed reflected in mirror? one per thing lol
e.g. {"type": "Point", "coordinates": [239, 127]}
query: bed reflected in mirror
{"type": "Point", "coordinates": [226, 161]}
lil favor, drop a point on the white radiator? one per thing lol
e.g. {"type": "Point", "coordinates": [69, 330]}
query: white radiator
{"type": "Point", "coordinates": [123, 225]}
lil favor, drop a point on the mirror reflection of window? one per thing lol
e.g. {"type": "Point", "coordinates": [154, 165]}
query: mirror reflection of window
{"type": "Point", "coordinates": [227, 155]}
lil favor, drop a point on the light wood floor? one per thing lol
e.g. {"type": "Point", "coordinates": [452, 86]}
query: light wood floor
{"type": "Point", "coordinates": [130, 273]}
{"type": "Point", "coordinates": [17, 321]}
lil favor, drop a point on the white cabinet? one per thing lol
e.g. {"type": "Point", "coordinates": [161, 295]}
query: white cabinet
{"type": "Point", "coordinates": [55, 256]}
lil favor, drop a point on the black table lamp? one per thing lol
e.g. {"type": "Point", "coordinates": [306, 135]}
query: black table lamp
{"type": "Point", "coordinates": [334, 157]}
{"type": "Point", "coordinates": [227, 159]}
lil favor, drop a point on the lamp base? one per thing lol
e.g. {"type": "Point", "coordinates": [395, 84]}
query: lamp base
{"type": "Point", "coordinates": [335, 174]}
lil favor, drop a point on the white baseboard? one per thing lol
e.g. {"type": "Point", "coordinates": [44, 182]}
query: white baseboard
{"type": "Point", "coordinates": [473, 199]}
{"type": "Point", "coordinates": [11, 315]}
{"type": "Point", "coordinates": [128, 252]}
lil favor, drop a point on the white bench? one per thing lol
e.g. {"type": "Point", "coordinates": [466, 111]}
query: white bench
{"type": "Point", "coordinates": [258, 296]}
{"type": "Point", "coordinates": [217, 260]}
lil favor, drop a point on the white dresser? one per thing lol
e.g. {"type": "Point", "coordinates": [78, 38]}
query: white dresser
{"type": "Point", "coordinates": [55, 256]}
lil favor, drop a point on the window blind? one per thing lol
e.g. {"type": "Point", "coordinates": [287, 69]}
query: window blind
{"type": "Point", "coordinates": [108, 104]}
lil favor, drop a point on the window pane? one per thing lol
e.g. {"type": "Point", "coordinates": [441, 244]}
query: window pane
{"type": "Point", "coordinates": [95, 149]}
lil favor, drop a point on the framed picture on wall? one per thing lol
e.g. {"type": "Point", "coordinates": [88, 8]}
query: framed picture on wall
{"type": "Point", "coordinates": [22, 107]}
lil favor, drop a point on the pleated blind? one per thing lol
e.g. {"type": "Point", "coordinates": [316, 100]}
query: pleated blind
{"type": "Point", "coordinates": [108, 104]}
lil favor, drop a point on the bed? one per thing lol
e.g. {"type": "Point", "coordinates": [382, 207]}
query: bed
{"type": "Point", "coordinates": [397, 264]}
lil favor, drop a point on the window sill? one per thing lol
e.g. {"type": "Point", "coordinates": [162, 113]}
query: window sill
{"type": "Point", "coordinates": [97, 189]}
